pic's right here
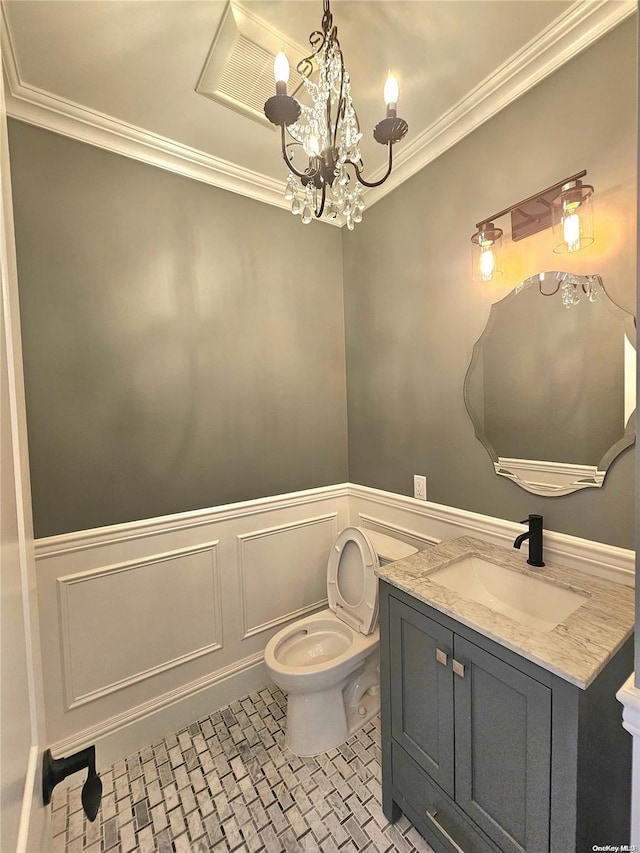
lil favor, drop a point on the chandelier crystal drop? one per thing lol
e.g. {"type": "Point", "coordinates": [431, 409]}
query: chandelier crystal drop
{"type": "Point", "coordinates": [321, 137]}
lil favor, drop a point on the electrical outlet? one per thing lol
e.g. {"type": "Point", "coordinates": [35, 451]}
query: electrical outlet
{"type": "Point", "coordinates": [419, 487]}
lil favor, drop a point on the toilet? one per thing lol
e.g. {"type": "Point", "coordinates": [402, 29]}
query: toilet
{"type": "Point", "coordinates": [328, 663]}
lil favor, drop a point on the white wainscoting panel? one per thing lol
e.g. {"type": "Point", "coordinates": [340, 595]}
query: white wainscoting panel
{"type": "Point", "coordinates": [151, 615]}
{"type": "Point", "coordinates": [283, 571]}
{"type": "Point", "coordinates": [148, 626]}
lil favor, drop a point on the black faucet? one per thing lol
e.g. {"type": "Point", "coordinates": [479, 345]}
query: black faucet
{"type": "Point", "coordinates": [535, 540]}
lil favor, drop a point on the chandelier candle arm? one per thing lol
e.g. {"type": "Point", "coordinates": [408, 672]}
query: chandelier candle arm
{"type": "Point", "coordinates": [287, 160]}
{"type": "Point", "coordinates": [326, 126]}
{"type": "Point", "coordinates": [385, 176]}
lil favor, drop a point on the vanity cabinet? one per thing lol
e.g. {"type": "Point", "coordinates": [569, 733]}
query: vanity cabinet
{"type": "Point", "coordinates": [485, 751]}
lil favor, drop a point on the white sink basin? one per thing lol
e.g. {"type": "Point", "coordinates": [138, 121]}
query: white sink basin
{"type": "Point", "coordinates": [530, 600]}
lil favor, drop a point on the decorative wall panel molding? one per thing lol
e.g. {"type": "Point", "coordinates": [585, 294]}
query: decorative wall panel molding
{"type": "Point", "coordinates": [128, 622]}
{"type": "Point", "coordinates": [275, 587]}
{"type": "Point", "coordinates": [582, 24]}
{"type": "Point", "coordinates": [260, 567]}
{"type": "Point", "coordinates": [103, 689]}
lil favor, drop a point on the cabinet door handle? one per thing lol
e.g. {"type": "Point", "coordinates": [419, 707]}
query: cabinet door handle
{"type": "Point", "coordinates": [458, 668]}
{"type": "Point", "coordinates": [441, 657]}
{"type": "Point", "coordinates": [432, 815]}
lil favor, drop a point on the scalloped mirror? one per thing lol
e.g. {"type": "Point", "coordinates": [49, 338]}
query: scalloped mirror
{"type": "Point", "coordinates": [551, 385]}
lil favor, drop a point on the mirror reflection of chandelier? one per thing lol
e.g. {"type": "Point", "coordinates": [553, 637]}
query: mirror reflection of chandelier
{"type": "Point", "coordinates": [329, 181]}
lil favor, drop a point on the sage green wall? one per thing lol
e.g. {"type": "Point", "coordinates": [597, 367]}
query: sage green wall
{"type": "Point", "coordinates": [413, 314]}
{"type": "Point", "coordinates": [181, 350]}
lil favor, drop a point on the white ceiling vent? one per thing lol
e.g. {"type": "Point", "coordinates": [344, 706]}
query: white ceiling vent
{"type": "Point", "coordinates": [239, 68]}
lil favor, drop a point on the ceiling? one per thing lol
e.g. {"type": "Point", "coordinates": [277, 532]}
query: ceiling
{"type": "Point", "coordinates": [122, 74]}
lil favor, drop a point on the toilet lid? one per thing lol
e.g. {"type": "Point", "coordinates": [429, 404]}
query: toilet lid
{"type": "Point", "coordinates": [352, 586]}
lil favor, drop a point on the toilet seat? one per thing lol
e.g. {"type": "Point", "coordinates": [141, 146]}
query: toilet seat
{"type": "Point", "coordinates": [352, 586]}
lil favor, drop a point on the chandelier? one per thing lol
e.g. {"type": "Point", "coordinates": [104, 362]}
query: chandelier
{"type": "Point", "coordinates": [329, 181]}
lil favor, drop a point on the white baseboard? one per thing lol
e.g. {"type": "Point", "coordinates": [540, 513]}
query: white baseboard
{"type": "Point", "coordinates": [130, 731]}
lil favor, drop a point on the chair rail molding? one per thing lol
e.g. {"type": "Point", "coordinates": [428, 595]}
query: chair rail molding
{"type": "Point", "coordinates": [412, 519]}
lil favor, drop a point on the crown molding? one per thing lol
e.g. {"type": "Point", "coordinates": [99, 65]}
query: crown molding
{"type": "Point", "coordinates": [59, 115]}
{"type": "Point", "coordinates": [581, 25]}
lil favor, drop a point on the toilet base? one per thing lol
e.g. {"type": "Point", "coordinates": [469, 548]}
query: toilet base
{"type": "Point", "coordinates": [311, 731]}
{"type": "Point", "coordinates": [366, 710]}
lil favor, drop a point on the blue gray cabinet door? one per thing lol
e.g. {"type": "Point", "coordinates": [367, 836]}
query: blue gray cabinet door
{"type": "Point", "coordinates": [502, 749]}
{"type": "Point", "coordinates": [422, 691]}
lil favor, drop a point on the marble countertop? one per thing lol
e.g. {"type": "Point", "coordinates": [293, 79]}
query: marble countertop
{"type": "Point", "coordinates": [576, 649]}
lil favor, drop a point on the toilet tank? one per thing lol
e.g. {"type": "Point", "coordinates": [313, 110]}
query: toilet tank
{"type": "Point", "coordinates": [389, 549]}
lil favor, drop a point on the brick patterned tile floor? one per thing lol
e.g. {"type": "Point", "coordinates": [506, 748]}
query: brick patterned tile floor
{"type": "Point", "coordinates": [228, 783]}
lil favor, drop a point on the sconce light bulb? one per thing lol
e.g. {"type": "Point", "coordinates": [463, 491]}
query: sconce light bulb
{"type": "Point", "coordinates": [571, 229]}
{"type": "Point", "coordinates": [487, 262]}
{"type": "Point", "coordinates": [281, 68]}
{"type": "Point", "coordinates": [391, 90]}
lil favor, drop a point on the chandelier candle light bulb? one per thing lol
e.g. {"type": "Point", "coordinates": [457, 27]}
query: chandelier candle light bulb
{"type": "Point", "coordinates": [281, 73]}
{"type": "Point", "coordinates": [391, 91]}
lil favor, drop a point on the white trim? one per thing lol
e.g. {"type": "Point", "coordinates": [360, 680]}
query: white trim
{"type": "Point", "coordinates": [32, 795]}
{"type": "Point", "coordinates": [242, 538]}
{"type": "Point", "coordinates": [582, 24]}
{"type": "Point", "coordinates": [34, 821]}
{"type": "Point", "coordinates": [579, 27]}
{"type": "Point", "coordinates": [607, 561]}
{"type": "Point", "coordinates": [629, 696]}
{"type": "Point", "coordinates": [252, 666]}
{"type": "Point", "coordinates": [63, 584]}
{"type": "Point", "coordinates": [594, 557]}
{"type": "Point", "coordinates": [81, 540]}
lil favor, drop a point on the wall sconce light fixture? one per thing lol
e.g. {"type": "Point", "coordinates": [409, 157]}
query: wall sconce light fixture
{"type": "Point", "coordinates": [566, 206]}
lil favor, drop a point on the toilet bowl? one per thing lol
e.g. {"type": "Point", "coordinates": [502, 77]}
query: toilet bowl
{"type": "Point", "coordinates": [328, 663]}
